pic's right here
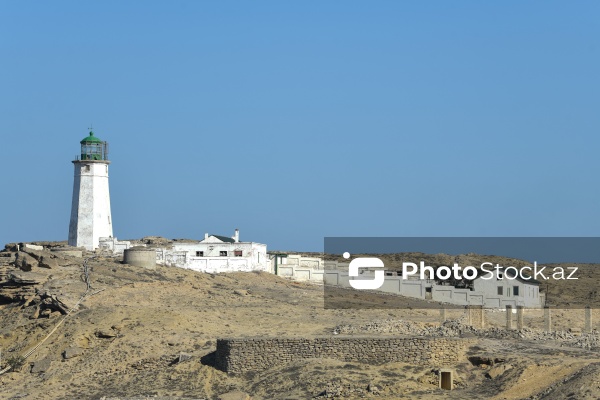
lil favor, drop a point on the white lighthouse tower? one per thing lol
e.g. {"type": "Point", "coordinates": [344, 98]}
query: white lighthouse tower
{"type": "Point", "coordinates": [90, 210]}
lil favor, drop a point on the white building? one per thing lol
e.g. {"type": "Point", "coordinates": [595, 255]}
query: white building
{"type": "Point", "coordinates": [509, 289]}
{"type": "Point", "coordinates": [215, 254]}
{"type": "Point", "coordinates": [90, 208]}
{"type": "Point", "coordinates": [113, 245]}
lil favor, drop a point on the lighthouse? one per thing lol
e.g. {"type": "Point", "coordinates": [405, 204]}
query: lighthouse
{"type": "Point", "coordinates": [90, 209]}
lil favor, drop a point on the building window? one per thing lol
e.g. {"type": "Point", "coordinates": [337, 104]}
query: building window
{"type": "Point", "coordinates": [237, 253]}
{"type": "Point", "coordinates": [87, 168]}
{"type": "Point", "coordinates": [515, 290]}
{"type": "Point", "coordinates": [500, 291]}
{"type": "Point", "coordinates": [199, 254]}
{"type": "Point", "coordinates": [223, 253]}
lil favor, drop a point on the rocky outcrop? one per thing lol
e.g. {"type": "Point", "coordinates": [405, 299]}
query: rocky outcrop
{"type": "Point", "coordinates": [41, 366]}
{"type": "Point", "coordinates": [48, 262]}
{"type": "Point", "coordinates": [29, 258]}
{"type": "Point", "coordinates": [26, 278]}
{"type": "Point", "coordinates": [25, 262]}
{"type": "Point", "coordinates": [72, 352]}
{"type": "Point", "coordinates": [38, 278]}
{"type": "Point", "coordinates": [19, 286]}
{"type": "Point", "coordinates": [62, 304]}
{"type": "Point", "coordinates": [106, 333]}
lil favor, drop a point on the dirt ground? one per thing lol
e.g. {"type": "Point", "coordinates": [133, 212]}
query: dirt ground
{"type": "Point", "coordinates": [125, 341]}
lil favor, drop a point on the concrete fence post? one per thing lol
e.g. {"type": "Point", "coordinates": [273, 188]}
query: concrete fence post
{"type": "Point", "coordinates": [520, 312]}
{"type": "Point", "coordinates": [442, 315]}
{"type": "Point", "coordinates": [547, 319]}
{"type": "Point", "coordinates": [509, 321]}
{"type": "Point", "coordinates": [482, 319]}
{"type": "Point", "coordinates": [475, 316]}
{"type": "Point", "coordinates": [469, 315]}
{"type": "Point", "coordinates": [588, 319]}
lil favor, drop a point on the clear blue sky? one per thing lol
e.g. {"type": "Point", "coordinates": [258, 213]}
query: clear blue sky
{"type": "Point", "coordinates": [298, 120]}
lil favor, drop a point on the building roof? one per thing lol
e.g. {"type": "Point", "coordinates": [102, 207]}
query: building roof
{"type": "Point", "coordinates": [224, 238]}
{"type": "Point", "coordinates": [91, 139]}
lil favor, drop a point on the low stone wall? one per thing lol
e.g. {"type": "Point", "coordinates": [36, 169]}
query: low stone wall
{"type": "Point", "coordinates": [243, 355]}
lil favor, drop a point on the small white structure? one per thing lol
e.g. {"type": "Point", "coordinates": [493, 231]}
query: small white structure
{"type": "Point", "coordinates": [216, 254]}
{"type": "Point", "coordinates": [140, 256]}
{"type": "Point", "coordinates": [32, 246]}
{"type": "Point", "coordinates": [113, 245]}
{"type": "Point", "coordinates": [90, 209]}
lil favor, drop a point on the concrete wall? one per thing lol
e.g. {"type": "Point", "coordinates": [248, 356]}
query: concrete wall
{"type": "Point", "coordinates": [304, 268]}
{"type": "Point", "coordinates": [90, 208]}
{"type": "Point", "coordinates": [448, 294]}
{"type": "Point", "coordinates": [298, 267]}
{"type": "Point", "coordinates": [484, 293]}
{"type": "Point", "coordinates": [244, 355]}
{"type": "Point", "coordinates": [297, 261]}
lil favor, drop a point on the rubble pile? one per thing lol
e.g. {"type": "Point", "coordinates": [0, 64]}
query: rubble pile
{"type": "Point", "coordinates": [37, 278]}
{"type": "Point", "coordinates": [337, 389]}
{"type": "Point", "coordinates": [590, 341]}
{"type": "Point", "coordinates": [457, 328]}
{"type": "Point", "coordinates": [450, 328]}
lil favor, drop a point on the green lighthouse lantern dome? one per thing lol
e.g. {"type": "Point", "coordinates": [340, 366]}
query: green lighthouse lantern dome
{"type": "Point", "coordinates": [92, 148]}
{"type": "Point", "coordinates": [90, 139]}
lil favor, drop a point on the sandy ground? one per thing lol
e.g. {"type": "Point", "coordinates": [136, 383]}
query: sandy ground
{"type": "Point", "coordinates": [153, 316]}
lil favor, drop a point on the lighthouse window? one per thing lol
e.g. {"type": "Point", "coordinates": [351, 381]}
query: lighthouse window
{"type": "Point", "coordinates": [87, 168]}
